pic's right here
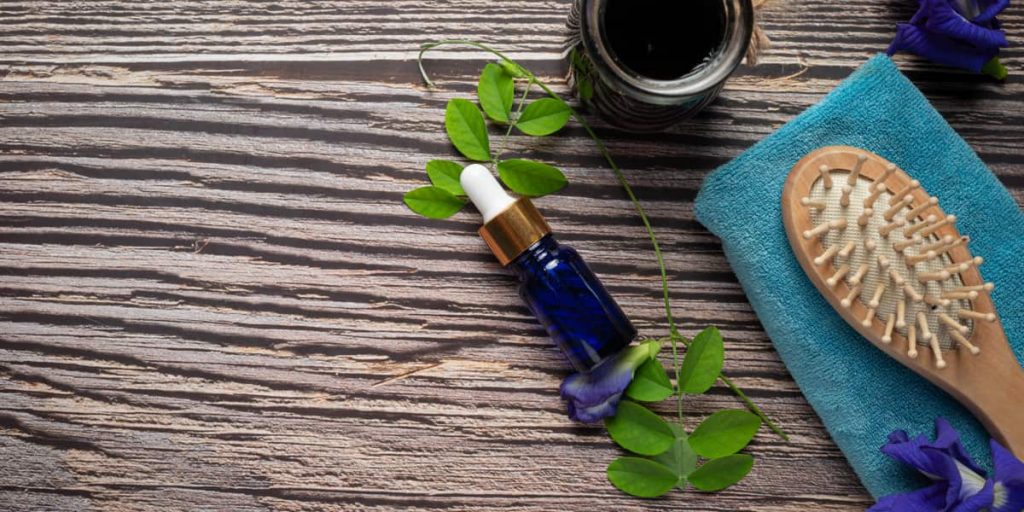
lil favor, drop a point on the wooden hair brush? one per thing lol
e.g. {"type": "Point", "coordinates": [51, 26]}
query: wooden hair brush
{"type": "Point", "coordinates": [893, 264]}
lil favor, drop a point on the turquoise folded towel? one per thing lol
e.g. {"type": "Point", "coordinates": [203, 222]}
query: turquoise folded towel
{"type": "Point", "coordinates": [859, 392]}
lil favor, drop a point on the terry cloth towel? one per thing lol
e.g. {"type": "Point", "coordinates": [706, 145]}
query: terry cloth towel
{"type": "Point", "coordinates": [860, 393]}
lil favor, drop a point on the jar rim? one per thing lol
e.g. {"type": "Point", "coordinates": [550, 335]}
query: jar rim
{"type": "Point", "coordinates": [725, 60]}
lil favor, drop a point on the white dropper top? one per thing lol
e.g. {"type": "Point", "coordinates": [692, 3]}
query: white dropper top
{"type": "Point", "coordinates": [485, 191]}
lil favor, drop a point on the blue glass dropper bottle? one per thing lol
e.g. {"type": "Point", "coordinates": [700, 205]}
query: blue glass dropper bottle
{"type": "Point", "coordinates": [561, 291]}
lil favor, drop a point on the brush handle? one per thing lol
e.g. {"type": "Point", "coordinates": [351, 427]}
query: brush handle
{"type": "Point", "coordinates": [991, 385]}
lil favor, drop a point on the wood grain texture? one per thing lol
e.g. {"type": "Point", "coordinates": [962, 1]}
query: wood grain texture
{"type": "Point", "coordinates": [212, 297]}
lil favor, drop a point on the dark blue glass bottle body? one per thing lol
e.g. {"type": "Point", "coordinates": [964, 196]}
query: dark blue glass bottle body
{"type": "Point", "coordinates": [579, 315]}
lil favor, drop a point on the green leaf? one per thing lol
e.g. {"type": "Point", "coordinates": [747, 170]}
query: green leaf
{"type": "Point", "coordinates": [717, 474]}
{"type": "Point", "coordinates": [995, 69]}
{"type": "Point", "coordinates": [465, 126]}
{"type": "Point", "coordinates": [514, 70]}
{"type": "Point", "coordinates": [543, 117]}
{"type": "Point", "coordinates": [680, 458]}
{"type": "Point", "coordinates": [650, 383]}
{"type": "Point", "coordinates": [703, 362]}
{"type": "Point", "coordinates": [495, 91]}
{"type": "Point", "coordinates": [724, 433]}
{"type": "Point", "coordinates": [639, 430]}
{"type": "Point", "coordinates": [433, 202]}
{"type": "Point", "coordinates": [585, 87]}
{"type": "Point", "coordinates": [445, 174]}
{"type": "Point", "coordinates": [530, 178]}
{"type": "Point", "coordinates": [639, 477]}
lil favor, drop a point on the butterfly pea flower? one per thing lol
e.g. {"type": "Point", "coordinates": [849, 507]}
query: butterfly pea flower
{"type": "Point", "coordinates": [595, 395]}
{"type": "Point", "coordinates": [959, 33]}
{"type": "Point", "coordinates": [958, 483]}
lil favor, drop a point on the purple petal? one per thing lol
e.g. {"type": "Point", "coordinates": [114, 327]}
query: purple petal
{"type": "Point", "coordinates": [939, 49]}
{"type": "Point", "coordinates": [898, 436]}
{"type": "Point", "coordinates": [990, 11]}
{"type": "Point", "coordinates": [909, 452]}
{"type": "Point", "coordinates": [594, 413]}
{"type": "Point", "coordinates": [935, 459]}
{"type": "Point", "coordinates": [948, 440]}
{"type": "Point", "coordinates": [977, 502]}
{"type": "Point", "coordinates": [1009, 480]}
{"type": "Point", "coordinates": [610, 377]}
{"type": "Point", "coordinates": [943, 19]}
{"type": "Point", "coordinates": [588, 389]}
{"type": "Point", "coordinates": [975, 492]}
{"type": "Point", "coordinates": [1008, 469]}
{"type": "Point", "coordinates": [927, 499]}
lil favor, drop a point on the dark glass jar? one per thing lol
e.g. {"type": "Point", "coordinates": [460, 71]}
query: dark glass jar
{"type": "Point", "coordinates": [571, 303]}
{"type": "Point", "coordinates": [642, 98]}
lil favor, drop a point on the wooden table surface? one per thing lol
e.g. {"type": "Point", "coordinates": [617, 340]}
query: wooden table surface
{"type": "Point", "coordinates": [213, 298]}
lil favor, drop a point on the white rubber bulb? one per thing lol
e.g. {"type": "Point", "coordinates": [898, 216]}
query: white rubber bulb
{"type": "Point", "coordinates": [485, 191]}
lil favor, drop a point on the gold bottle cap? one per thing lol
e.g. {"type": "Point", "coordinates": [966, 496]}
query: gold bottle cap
{"type": "Point", "coordinates": [514, 230]}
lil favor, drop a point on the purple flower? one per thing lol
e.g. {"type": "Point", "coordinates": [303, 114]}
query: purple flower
{"type": "Point", "coordinates": [1008, 490]}
{"type": "Point", "coordinates": [959, 485]}
{"type": "Point", "coordinates": [958, 33]}
{"type": "Point", "coordinates": [595, 395]}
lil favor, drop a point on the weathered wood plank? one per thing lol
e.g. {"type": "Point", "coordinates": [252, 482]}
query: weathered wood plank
{"type": "Point", "coordinates": [212, 297]}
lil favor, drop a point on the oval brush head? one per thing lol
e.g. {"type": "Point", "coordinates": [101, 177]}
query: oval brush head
{"type": "Point", "coordinates": [893, 264]}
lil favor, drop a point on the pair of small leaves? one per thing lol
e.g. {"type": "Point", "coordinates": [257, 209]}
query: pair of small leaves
{"type": "Point", "coordinates": [700, 370]}
{"type": "Point", "coordinates": [639, 430]}
{"type": "Point", "coordinates": [446, 196]}
{"type": "Point", "coordinates": [677, 466]}
{"type": "Point", "coordinates": [714, 475]}
{"type": "Point", "coordinates": [465, 125]}
{"type": "Point", "coordinates": [496, 90]}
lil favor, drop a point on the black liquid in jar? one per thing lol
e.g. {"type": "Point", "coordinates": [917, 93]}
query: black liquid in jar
{"type": "Point", "coordinates": [664, 39]}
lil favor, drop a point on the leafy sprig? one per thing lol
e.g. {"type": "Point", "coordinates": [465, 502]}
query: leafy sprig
{"type": "Point", "coordinates": [466, 127]}
{"type": "Point", "coordinates": [708, 457]}
{"type": "Point", "coordinates": [669, 457]}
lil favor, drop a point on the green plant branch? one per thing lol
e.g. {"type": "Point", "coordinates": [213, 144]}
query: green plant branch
{"type": "Point", "coordinates": [673, 329]}
{"type": "Point", "coordinates": [741, 395]}
{"type": "Point", "coordinates": [512, 123]}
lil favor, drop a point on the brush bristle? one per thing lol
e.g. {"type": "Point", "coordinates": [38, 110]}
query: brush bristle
{"type": "Point", "coordinates": [885, 245]}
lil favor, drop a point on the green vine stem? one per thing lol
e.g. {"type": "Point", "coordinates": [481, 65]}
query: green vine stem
{"type": "Point", "coordinates": [673, 330]}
